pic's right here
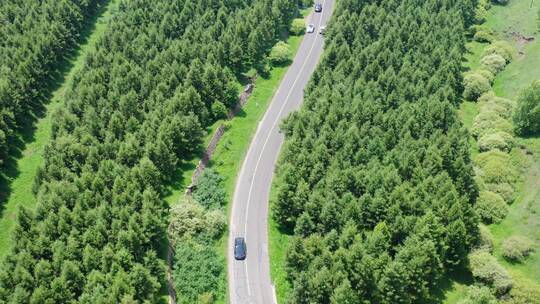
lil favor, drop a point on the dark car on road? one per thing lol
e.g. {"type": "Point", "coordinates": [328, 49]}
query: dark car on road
{"type": "Point", "coordinates": [318, 8]}
{"type": "Point", "coordinates": [240, 249]}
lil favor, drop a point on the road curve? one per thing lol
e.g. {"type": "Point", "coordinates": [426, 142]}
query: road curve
{"type": "Point", "coordinates": [249, 280]}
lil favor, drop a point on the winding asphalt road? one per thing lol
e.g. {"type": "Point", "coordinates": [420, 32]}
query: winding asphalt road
{"type": "Point", "coordinates": [249, 280]}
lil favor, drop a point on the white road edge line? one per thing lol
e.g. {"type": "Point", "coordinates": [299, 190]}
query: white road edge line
{"type": "Point", "coordinates": [268, 137]}
{"type": "Point", "coordinates": [274, 293]}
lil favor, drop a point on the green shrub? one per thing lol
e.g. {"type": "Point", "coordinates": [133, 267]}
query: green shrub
{"type": "Point", "coordinates": [516, 248]}
{"type": "Point", "coordinates": [484, 73]}
{"type": "Point", "coordinates": [485, 4]}
{"type": "Point", "coordinates": [485, 239]}
{"type": "Point", "coordinates": [209, 191]}
{"type": "Point", "coordinates": [487, 75]}
{"type": "Point", "coordinates": [501, 48]}
{"type": "Point", "coordinates": [500, 106]}
{"type": "Point", "coordinates": [483, 159]}
{"type": "Point", "coordinates": [306, 3]}
{"type": "Point", "coordinates": [501, 2]}
{"type": "Point", "coordinates": [490, 98]}
{"type": "Point", "coordinates": [527, 114]}
{"type": "Point", "coordinates": [480, 14]}
{"type": "Point", "coordinates": [298, 27]}
{"type": "Point", "coordinates": [280, 53]}
{"type": "Point", "coordinates": [495, 108]}
{"type": "Point", "coordinates": [498, 140]}
{"type": "Point", "coordinates": [478, 295]}
{"type": "Point", "coordinates": [480, 182]}
{"type": "Point", "coordinates": [491, 207]}
{"type": "Point", "coordinates": [489, 122]}
{"type": "Point", "coordinates": [494, 63]}
{"type": "Point", "coordinates": [505, 190]}
{"type": "Point", "coordinates": [494, 169]}
{"type": "Point", "coordinates": [483, 36]}
{"type": "Point", "coordinates": [488, 271]}
{"type": "Point", "coordinates": [524, 291]}
{"type": "Point", "coordinates": [219, 110]}
{"type": "Point", "coordinates": [474, 86]}
{"type": "Point", "coordinates": [188, 220]}
{"type": "Point", "coordinates": [197, 271]}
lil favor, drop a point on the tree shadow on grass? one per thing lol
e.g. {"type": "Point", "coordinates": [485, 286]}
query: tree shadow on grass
{"type": "Point", "coordinates": [25, 133]}
{"type": "Point", "coordinates": [460, 275]}
{"type": "Point", "coordinates": [177, 176]}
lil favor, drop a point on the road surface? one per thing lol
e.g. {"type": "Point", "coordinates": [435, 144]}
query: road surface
{"type": "Point", "coordinates": [249, 280]}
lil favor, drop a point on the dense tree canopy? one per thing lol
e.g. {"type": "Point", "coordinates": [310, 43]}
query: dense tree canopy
{"type": "Point", "coordinates": [133, 112]}
{"type": "Point", "coordinates": [34, 37]}
{"type": "Point", "coordinates": [375, 179]}
{"type": "Point", "coordinates": [527, 114]}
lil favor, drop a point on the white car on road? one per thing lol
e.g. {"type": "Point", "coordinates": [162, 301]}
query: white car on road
{"type": "Point", "coordinates": [310, 28]}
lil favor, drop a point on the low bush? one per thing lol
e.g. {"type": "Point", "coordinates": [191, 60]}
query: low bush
{"type": "Point", "coordinates": [480, 15]}
{"type": "Point", "coordinates": [489, 122]}
{"type": "Point", "coordinates": [497, 140]}
{"type": "Point", "coordinates": [485, 239]}
{"type": "Point", "coordinates": [490, 207]}
{"type": "Point", "coordinates": [494, 106]}
{"type": "Point", "coordinates": [486, 270]}
{"type": "Point", "coordinates": [493, 63]}
{"type": "Point", "coordinates": [484, 73]}
{"type": "Point", "coordinates": [198, 273]}
{"type": "Point", "coordinates": [478, 295]}
{"type": "Point", "coordinates": [306, 3]}
{"type": "Point", "coordinates": [505, 190]}
{"type": "Point", "coordinates": [524, 291]}
{"type": "Point", "coordinates": [517, 248]}
{"type": "Point", "coordinates": [497, 172]}
{"type": "Point", "coordinates": [189, 220]}
{"type": "Point", "coordinates": [474, 86]}
{"type": "Point", "coordinates": [483, 159]}
{"type": "Point", "coordinates": [280, 53]}
{"type": "Point", "coordinates": [298, 27]}
{"type": "Point", "coordinates": [485, 4]}
{"type": "Point", "coordinates": [501, 2]}
{"type": "Point", "coordinates": [490, 98]}
{"type": "Point", "coordinates": [483, 36]}
{"type": "Point", "coordinates": [219, 110]}
{"type": "Point", "coordinates": [487, 75]}
{"type": "Point", "coordinates": [527, 114]}
{"type": "Point", "coordinates": [209, 191]}
{"type": "Point", "coordinates": [479, 181]}
{"type": "Point", "coordinates": [501, 48]}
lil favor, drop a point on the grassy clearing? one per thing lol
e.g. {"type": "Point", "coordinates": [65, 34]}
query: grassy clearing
{"type": "Point", "coordinates": [18, 179]}
{"type": "Point", "coordinates": [524, 214]}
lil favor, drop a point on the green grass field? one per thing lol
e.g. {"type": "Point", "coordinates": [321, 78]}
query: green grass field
{"type": "Point", "coordinates": [517, 18]}
{"type": "Point", "coordinates": [19, 177]}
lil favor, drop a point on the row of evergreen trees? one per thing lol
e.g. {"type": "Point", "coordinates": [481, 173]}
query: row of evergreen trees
{"type": "Point", "coordinates": [161, 73]}
{"type": "Point", "coordinates": [375, 179]}
{"type": "Point", "coordinates": [34, 37]}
